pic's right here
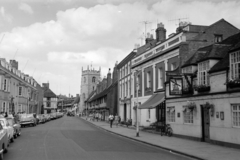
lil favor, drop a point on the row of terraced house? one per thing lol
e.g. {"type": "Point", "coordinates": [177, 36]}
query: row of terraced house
{"type": "Point", "coordinates": [190, 80]}
{"type": "Point", "coordinates": [20, 93]}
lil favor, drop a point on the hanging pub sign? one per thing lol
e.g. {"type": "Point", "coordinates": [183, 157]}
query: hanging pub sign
{"type": "Point", "coordinates": [175, 86]}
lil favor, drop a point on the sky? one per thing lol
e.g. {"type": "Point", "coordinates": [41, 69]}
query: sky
{"type": "Point", "coordinates": [53, 39]}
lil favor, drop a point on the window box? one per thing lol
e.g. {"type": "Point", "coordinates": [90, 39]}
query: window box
{"type": "Point", "coordinates": [202, 88]}
{"type": "Point", "coordinates": [233, 83]}
{"type": "Point", "coordinates": [187, 90]}
{"type": "Point", "coordinates": [191, 105]}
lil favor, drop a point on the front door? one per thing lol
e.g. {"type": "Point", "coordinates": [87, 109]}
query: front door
{"type": "Point", "coordinates": [125, 112]}
{"type": "Point", "coordinates": [205, 124]}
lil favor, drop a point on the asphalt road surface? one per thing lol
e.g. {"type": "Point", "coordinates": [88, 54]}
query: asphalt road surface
{"type": "Point", "coordinates": [71, 138]}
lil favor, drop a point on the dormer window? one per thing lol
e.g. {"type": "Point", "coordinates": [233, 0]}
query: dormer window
{"type": "Point", "coordinates": [218, 38]}
{"type": "Point", "coordinates": [235, 65]}
{"type": "Point", "coordinates": [203, 76]}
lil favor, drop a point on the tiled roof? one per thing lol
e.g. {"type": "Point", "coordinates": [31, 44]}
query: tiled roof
{"type": "Point", "coordinates": [214, 51]}
{"type": "Point", "coordinates": [90, 96]}
{"type": "Point", "coordinates": [76, 100]}
{"type": "Point", "coordinates": [236, 47]}
{"type": "Point", "coordinates": [49, 93]}
{"type": "Point", "coordinates": [104, 92]}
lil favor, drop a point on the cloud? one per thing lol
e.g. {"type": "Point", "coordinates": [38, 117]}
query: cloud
{"type": "Point", "coordinates": [26, 8]}
{"type": "Point", "coordinates": [100, 35]}
{"type": "Point", "coordinates": [6, 17]}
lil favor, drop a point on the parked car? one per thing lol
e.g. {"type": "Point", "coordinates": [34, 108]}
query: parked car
{"type": "Point", "coordinates": [47, 116]}
{"type": "Point", "coordinates": [3, 141]}
{"type": "Point", "coordinates": [8, 128]}
{"type": "Point", "coordinates": [53, 115]}
{"type": "Point", "coordinates": [16, 125]}
{"type": "Point", "coordinates": [28, 119]}
{"type": "Point", "coordinates": [41, 118]}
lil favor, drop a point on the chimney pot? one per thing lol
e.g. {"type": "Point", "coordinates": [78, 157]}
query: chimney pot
{"type": "Point", "coordinates": [160, 32]}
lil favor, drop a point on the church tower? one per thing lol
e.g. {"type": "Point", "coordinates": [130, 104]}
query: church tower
{"type": "Point", "coordinates": [89, 80]}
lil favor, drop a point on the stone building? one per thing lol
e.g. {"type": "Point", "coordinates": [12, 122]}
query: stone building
{"type": "Point", "coordinates": [89, 80]}
{"type": "Point", "coordinates": [161, 57]}
{"type": "Point", "coordinates": [208, 108]}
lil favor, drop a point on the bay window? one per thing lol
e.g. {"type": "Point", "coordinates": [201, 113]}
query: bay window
{"type": "Point", "coordinates": [235, 65]}
{"type": "Point", "coordinates": [203, 76]}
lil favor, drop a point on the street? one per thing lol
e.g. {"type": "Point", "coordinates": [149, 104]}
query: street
{"type": "Point", "coordinates": [71, 138]}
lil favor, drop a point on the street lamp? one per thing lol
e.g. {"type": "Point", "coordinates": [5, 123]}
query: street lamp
{"type": "Point", "coordinates": [137, 124]}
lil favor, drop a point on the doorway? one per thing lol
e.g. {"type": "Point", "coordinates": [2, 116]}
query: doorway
{"type": "Point", "coordinates": [205, 124]}
{"type": "Point", "coordinates": [125, 112]}
{"type": "Point", "coordinates": [161, 113]}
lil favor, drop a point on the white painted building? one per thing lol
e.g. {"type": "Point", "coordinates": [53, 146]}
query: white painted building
{"type": "Point", "coordinates": [209, 107]}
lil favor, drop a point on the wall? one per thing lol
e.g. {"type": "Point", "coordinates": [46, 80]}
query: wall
{"type": "Point", "coordinates": [220, 130]}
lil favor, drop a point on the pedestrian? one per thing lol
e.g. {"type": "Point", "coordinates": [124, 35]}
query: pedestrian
{"type": "Point", "coordinates": [117, 120]}
{"type": "Point", "coordinates": [111, 120]}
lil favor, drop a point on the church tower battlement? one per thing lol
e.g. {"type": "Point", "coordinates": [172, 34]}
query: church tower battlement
{"type": "Point", "coordinates": [89, 80]}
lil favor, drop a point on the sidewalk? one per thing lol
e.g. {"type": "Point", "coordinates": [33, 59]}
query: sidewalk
{"type": "Point", "coordinates": [200, 150]}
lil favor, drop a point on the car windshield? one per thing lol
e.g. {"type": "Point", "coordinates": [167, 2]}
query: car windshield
{"type": "Point", "coordinates": [27, 116]}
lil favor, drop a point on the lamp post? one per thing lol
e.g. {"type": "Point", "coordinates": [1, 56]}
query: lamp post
{"type": "Point", "coordinates": [137, 124]}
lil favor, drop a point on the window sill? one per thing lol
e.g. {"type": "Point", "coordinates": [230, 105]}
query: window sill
{"type": "Point", "coordinates": [188, 123]}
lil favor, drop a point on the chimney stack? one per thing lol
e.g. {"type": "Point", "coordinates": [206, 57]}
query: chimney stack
{"type": "Point", "coordinates": [45, 85]}
{"type": "Point", "coordinates": [109, 81]}
{"type": "Point", "coordinates": [149, 38]}
{"type": "Point", "coordinates": [160, 32]}
{"type": "Point", "coordinates": [14, 64]}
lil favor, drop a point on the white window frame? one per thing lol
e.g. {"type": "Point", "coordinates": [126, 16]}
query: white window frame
{"type": "Point", "coordinates": [235, 115]}
{"type": "Point", "coordinates": [20, 93]}
{"type": "Point", "coordinates": [126, 85]}
{"type": "Point", "coordinates": [171, 117]}
{"type": "Point", "coordinates": [203, 75]}
{"type": "Point", "coordinates": [5, 84]}
{"type": "Point", "coordinates": [120, 90]}
{"type": "Point", "coordinates": [188, 117]}
{"type": "Point", "coordinates": [160, 78]}
{"type": "Point", "coordinates": [149, 114]}
{"type": "Point", "coordinates": [4, 107]}
{"type": "Point", "coordinates": [148, 79]}
{"type": "Point", "coordinates": [235, 65]}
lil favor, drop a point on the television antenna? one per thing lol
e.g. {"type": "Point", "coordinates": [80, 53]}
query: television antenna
{"type": "Point", "coordinates": [15, 54]}
{"type": "Point", "coordinates": [2, 38]}
{"type": "Point", "coordinates": [141, 38]}
{"type": "Point", "coordinates": [145, 24]}
{"type": "Point", "coordinates": [179, 20]}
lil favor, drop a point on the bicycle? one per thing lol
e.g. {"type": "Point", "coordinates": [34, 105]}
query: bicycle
{"type": "Point", "coordinates": [167, 130]}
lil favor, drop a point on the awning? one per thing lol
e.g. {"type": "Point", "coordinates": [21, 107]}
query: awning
{"type": "Point", "coordinates": [153, 101]}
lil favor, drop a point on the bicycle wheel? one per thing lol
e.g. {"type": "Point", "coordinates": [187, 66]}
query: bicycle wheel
{"type": "Point", "coordinates": [169, 132]}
